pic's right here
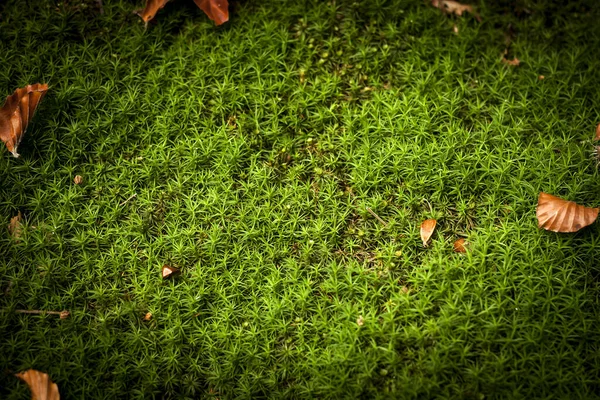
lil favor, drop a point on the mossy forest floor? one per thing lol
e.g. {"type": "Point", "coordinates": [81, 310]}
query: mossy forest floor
{"type": "Point", "coordinates": [246, 155]}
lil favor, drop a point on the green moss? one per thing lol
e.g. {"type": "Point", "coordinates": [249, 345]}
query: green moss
{"type": "Point", "coordinates": [253, 150]}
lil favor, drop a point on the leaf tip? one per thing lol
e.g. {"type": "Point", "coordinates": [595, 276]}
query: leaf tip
{"type": "Point", "coordinates": [168, 271]}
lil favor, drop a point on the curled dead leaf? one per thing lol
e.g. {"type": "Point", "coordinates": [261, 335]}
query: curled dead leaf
{"type": "Point", "coordinates": [78, 180]}
{"type": "Point", "coordinates": [150, 10]}
{"type": "Point", "coordinates": [168, 271]}
{"type": "Point", "coordinates": [64, 314]}
{"type": "Point", "coordinates": [454, 7]}
{"type": "Point", "coordinates": [459, 246]}
{"type": "Point", "coordinates": [597, 137]}
{"type": "Point", "coordinates": [42, 388]}
{"type": "Point", "coordinates": [558, 215]}
{"type": "Point", "coordinates": [427, 228]}
{"type": "Point", "coordinates": [217, 10]}
{"type": "Point", "coordinates": [17, 112]}
{"type": "Point", "coordinates": [515, 62]}
{"type": "Point", "coordinates": [148, 316]}
{"type": "Point", "coordinates": [15, 227]}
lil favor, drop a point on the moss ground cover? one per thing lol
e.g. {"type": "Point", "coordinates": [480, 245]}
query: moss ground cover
{"type": "Point", "coordinates": [247, 155]}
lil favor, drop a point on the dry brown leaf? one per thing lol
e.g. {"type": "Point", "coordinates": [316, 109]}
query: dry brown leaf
{"type": "Point", "coordinates": [15, 227]}
{"type": "Point", "coordinates": [515, 62]}
{"type": "Point", "coordinates": [17, 112]}
{"type": "Point", "coordinates": [217, 10]}
{"type": "Point", "coordinates": [168, 271]}
{"type": "Point", "coordinates": [64, 314]}
{"type": "Point", "coordinates": [42, 388]}
{"type": "Point", "coordinates": [558, 215]}
{"type": "Point", "coordinates": [454, 7]}
{"type": "Point", "coordinates": [78, 179]}
{"type": "Point", "coordinates": [597, 137]}
{"type": "Point", "coordinates": [148, 316]}
{"type": "Point", "coordinates": [459, 246]}
{"type": "Point", "coordinates": [152, 7]}
{"type": "Point", "coordinates": [427, 228]}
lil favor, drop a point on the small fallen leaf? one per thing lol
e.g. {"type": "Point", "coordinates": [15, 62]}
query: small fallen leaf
{"type": "Point", "coordinates": [515, 62]}
{"type": "Point", "coordinates": [360, 321]}
{"type": "Point", "coordinates": [427, 228]}
{"type": "Point", "coordinates": [78, 179]}
{"type": "Point", "coordinates": [152, 7]}
{"type": "Point", "coordinates": [148, 316]}
{"type": "Point", "coordinates": [15, 227]}
{"type": "Point", "coordinates": [459, 246]}
{"type": "Point", "coordinates": [454, 7]}
{"type": "Point", "coordinates": [167, 271]}
{"type": "Point", "coordinates": [217, 10]}
{"type": "Point", "coordinates": [42, 388]}
{"type": "Point", "coordinates": [597, 137]}
{"type": "Point", "coordinates": [558, 215]}
{"type": "Point", "coordinates": [17, 112]}
{"type": "Point", "coordinates": [64, 314]}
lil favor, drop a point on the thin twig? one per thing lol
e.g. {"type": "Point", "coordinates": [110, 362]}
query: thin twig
{"type": "Point", "coordinates": [377, 216]}
{"type": "Point", "coordinates": [38, 312]}
{"type": "Point", "coordinates": [126, 201]}
{"type": "Point", "coordinates": [100, 6]}
{"type": "Point", "coordinates": [64, 314]}
{"type": "Point", "coordinates": [8, 288]}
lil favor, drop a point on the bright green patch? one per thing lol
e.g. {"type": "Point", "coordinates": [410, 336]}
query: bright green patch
{"type": "Point", "coordinates": [253, 151]}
